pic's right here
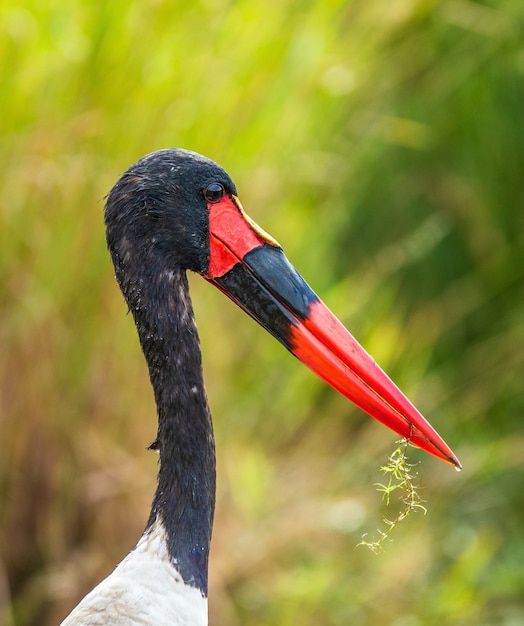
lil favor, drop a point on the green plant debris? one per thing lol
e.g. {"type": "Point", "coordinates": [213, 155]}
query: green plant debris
{"type": "Point", "coordinates": [399, 477]}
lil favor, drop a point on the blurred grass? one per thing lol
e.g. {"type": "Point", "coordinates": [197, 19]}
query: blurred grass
{"type": "Point", "coordinates": [382, 144]}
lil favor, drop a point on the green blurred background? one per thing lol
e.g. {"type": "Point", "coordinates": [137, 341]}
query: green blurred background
{"type": "Point", "coordinates": [382, 143]}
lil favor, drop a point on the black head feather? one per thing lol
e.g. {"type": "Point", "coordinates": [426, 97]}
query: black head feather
{"type": "Point", "coordinates": [156, 212]}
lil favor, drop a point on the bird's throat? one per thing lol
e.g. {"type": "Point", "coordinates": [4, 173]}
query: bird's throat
{"type": "Point", "coordinates": [185, 496]}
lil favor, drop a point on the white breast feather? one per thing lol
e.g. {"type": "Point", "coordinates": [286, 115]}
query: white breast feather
{"type": "Point", "coordinates": [144, 590]}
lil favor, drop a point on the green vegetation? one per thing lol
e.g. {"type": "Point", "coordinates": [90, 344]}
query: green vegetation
{"type": "Point", "coordinates": [399, 476]}
{"type": "Point", "coordinates": [382, 143]}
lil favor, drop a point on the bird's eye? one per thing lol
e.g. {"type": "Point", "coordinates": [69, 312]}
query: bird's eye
{"type": "Point", "coordinates": [214, 192]}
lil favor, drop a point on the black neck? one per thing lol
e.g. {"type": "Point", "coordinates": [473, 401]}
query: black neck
{"type": "Point", "coordinates": [185, 498]}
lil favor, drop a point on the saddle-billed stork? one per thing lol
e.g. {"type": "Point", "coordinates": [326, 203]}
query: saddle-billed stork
{"type": "Point", "coordinates": [172, 211]}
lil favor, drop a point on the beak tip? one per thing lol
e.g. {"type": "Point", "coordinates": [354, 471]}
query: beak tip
{"type": "Point", "coordinates": [456, 463]}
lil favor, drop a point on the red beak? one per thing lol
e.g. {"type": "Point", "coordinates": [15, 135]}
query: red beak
{"type": "Point", "coordinates": [251, 268]}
